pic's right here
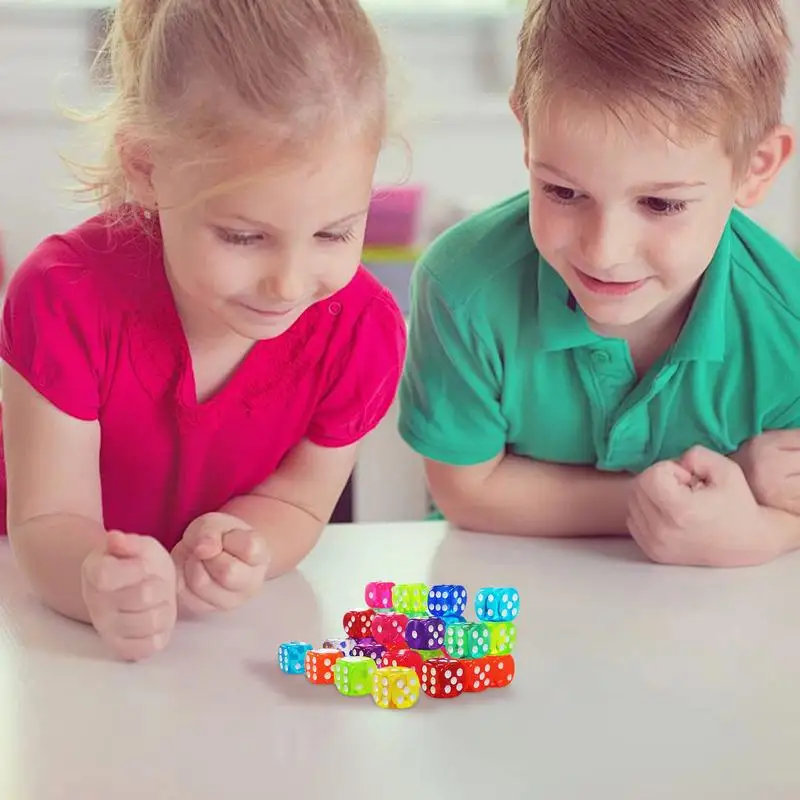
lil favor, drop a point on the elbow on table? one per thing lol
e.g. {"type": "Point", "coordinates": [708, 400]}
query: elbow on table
{"type": "Point", "coordinates": [457, 493]}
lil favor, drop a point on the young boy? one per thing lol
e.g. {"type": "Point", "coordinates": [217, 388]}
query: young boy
{"type": "Point", "coordinates": [603, 352]}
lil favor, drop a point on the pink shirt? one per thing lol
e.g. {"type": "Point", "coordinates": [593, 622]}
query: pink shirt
{"type": "Point", "coordinates": [90, 322]}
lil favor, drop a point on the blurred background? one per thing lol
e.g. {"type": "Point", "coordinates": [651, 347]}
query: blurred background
{"type": "Point", "coordinates": [457, 149]}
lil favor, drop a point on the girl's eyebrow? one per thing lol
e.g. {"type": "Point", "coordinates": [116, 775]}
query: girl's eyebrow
{"type": "Point", "coordinates": [266, 226]}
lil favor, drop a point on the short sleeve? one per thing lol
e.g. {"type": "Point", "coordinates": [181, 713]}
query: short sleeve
{"type": "Point", "coordinates": [367, 377]}
{"type": "Point", "coordinates": [450, 394]}
{"type": "Point", "coordinates": [50, 328]}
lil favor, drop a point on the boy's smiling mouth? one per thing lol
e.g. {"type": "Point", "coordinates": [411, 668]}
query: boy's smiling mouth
{"type": "Point", "coordinates": [609, 288]}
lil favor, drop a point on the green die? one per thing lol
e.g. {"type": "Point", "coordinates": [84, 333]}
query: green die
{"type": "Point", "coordinates": [502, 637]}
{"type": "Point", "coordinates": [410, 599]}
{"type": "Point", "coordinates": [467, 640]}
{"type": "Point", "coordinates": [352, 675]}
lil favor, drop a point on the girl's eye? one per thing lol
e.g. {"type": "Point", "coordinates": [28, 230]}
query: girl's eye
{"type": "Point", "coordinates": [343, 236]}
{"type": "Point", "coordinates": [239, 239]}
{"type": "Point", "coordinates": [662, 207]}
{"type": "Point", "coordinates": [560, 194]}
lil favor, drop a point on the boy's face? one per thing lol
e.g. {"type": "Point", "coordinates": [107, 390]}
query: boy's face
{"type": "Point", "coordinates": [629, 219]}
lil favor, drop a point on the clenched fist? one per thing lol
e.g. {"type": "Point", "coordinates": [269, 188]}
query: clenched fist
{"type": "Point", "coordinates": [129, 587]}
{"type": "Point", "coordinates": [221, 563]}
{"type": "Point", "coordinates": [699, 511]}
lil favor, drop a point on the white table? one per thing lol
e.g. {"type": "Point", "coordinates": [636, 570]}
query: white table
{"type": "Point", "coordinates": [634, 682]}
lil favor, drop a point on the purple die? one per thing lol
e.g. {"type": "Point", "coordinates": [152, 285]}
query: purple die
{"type": "Point", "coordinates": [344, 646]}
{"type": "Point", "coordinates": [378, 594]}
{"type": "Point", "coordinates": [447, 600]}
{"type": "Point", "coordinates": [371, 650]}
{"type": "Point", "coordinates": [425, 634]}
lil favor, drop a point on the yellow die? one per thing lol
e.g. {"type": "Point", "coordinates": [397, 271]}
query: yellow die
{"type": "Point", "coordinates": [502, 637]}
{"type": "Point", "coordinates": [395, 687]}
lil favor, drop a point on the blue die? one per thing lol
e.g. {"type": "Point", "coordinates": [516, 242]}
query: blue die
{"type": "Point", "coordinates": [345, 646]}
{"type": "Point", "coordinates": [292, 657]}
{"type": "Point", "coordinates": [497, 604]}
{"type": "Point", "coordinates": [447, 600]}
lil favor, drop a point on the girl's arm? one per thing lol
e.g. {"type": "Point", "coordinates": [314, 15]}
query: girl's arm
{"type": "Point", "coordinates": [54, 507]}
{"type": "Point", "coordinates": [293, 506]}
{"type": "Point", "coordinates": [519, 496]}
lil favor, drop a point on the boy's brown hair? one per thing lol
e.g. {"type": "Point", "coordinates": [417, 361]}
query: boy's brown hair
{"type": "Point", "coordinates": [714, 67]}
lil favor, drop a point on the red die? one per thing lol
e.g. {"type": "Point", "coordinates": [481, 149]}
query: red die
{"type": "Point", "coordinates": [390, 629]}
{"type": "Point", "coordinates": [501, 670]}
{"type": "Point", "coordinates": [358, 623]}
{"type": "Point", "coordinates": [442, 677]}
{"type": "Point", "coordinates": [403, 658]}
{"type": "Point", "coordinates": [477, 674]}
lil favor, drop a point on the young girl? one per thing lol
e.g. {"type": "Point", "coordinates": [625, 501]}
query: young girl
{"type": "Point", "coordinates": [187, 374]}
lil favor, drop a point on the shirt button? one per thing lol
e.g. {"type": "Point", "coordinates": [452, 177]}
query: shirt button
{"type": "Point", "coordinates": [600, 357]}
{"type": "Point", "coordinates": [335, 308]}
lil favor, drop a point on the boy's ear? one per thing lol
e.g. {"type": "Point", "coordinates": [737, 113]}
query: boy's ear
{"type": "Point", "coordinates": [134, 157]}
{"type": "Point", "coordinates": [765, 164]}
{"type": "Point", "coordinates": [520, 114]}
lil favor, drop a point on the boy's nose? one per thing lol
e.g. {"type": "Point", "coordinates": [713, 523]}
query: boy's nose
{"type": "Point", "coordinates": [606, 245]}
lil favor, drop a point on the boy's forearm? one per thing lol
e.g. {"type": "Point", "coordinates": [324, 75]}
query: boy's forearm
{"type": "Point", "coordinates": [289, 531]}
{"type": "Point", "coordinates": [782, 528]}
{"type": "Point", "coordinates": [50, 551]}
{"type": "Point", "coordinates": [532, 498]}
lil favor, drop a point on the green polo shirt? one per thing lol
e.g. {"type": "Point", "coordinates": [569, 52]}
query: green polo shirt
{"type": "Point", "coordinates": [501, 359]}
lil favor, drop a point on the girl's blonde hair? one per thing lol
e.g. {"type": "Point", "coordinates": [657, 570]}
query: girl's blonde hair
{"type": "Point", "coordinates": [201, 73]}
{"type": "Point", "coordinates": [714, 67]}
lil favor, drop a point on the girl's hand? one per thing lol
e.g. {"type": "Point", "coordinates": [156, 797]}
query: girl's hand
{"type": "Point", "coordinates": [129, 587]}
{"type": "Point", "coordinates": [221, 563]}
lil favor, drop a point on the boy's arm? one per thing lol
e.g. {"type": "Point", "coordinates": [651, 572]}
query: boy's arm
{"type": "Point", "coordinates": [292, 507]}
{"type": "Point", "coordinates": [518, 496]}
{"type": "Point", "coordinates": [451, 412]}
{"type": "Point", "coordinates": [54, 506]}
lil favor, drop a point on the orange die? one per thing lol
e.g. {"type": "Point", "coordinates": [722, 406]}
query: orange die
{"type": "Point", "coordinates": [501, 670]}
{"type": "Point", "coordinates": [319, 664]}
{"type": "Point", "coordinates": [477, 674]}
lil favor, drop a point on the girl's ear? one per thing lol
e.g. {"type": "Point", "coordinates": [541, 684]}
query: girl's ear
{"type": "Point", "coordinates": [135, 159]}
{"type": "Point", "coordinates": [765, 164]}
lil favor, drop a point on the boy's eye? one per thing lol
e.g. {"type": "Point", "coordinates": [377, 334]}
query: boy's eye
{"type": "Point", "coordinates": [663, 207]}
{"type": "Point", "coordinates": [561, 194]}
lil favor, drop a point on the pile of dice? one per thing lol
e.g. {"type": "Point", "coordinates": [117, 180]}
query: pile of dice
{"type": "Point", "coordinates": [411, 637]}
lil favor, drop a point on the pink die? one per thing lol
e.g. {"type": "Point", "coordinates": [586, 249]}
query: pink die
{"type": "Point", "coordinates": [378, 594]}
{"type": "Point", "coordinates": [390, 629]}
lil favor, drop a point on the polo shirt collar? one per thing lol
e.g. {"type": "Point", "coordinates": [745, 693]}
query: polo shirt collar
{"type": "Point", "coordinates": [703, 335]}
{"type": "Point", "coordinates": [562, 325]}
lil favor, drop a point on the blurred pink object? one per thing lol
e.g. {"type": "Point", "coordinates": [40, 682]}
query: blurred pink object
{"type": "Point", "coordinates": [394, 216]}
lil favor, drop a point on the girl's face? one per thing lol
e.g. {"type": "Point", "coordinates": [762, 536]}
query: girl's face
{"type": "Point", "coordinates": [253, 258]}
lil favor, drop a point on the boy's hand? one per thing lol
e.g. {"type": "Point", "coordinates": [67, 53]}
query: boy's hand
{"type": "Point", "coordinates": [771, 464]}
{"type": "Point", "coordinates": [698, 511]}
{"type": "Point", "coordinates": [221, 562]}
{"type": "Point", "coordinates": [129, 589]}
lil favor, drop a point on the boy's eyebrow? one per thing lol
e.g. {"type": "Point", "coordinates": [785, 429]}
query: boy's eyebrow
{"type": "Point", "coordinates": [266, 226]}
{"type": "Point", "coordinates": [652, 187]}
